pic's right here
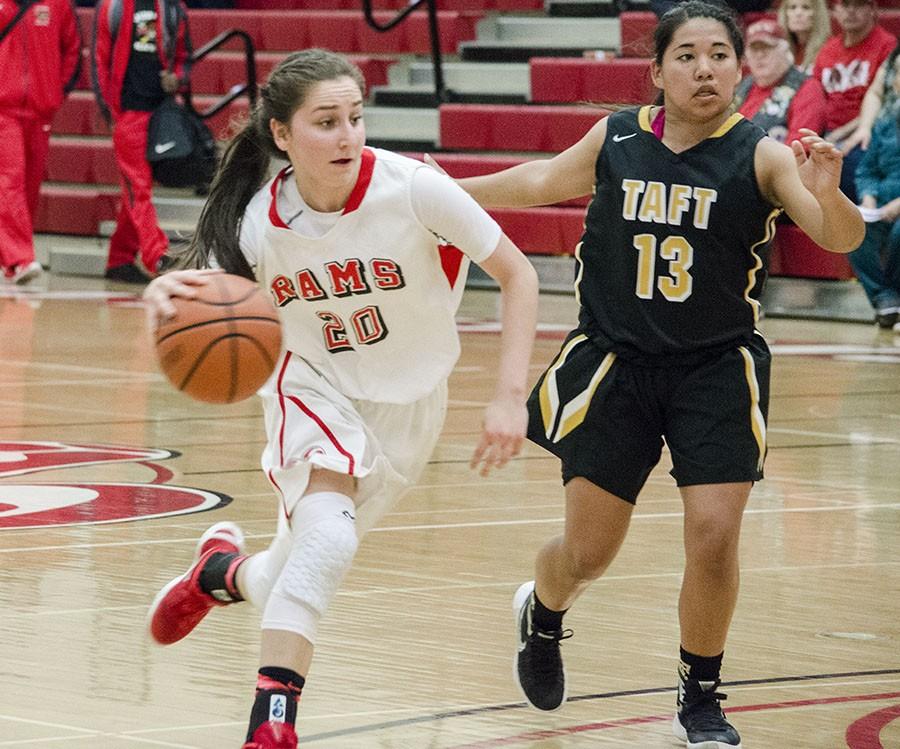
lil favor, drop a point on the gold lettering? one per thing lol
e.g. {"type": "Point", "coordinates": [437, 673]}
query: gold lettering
{"type": "Point", "coordinates": [679, 202]}
{"type": "Point", "coordinates": [704, 198]}
{"type": "Point", "coordinates": [632, 188]}
{"type": "Point", "coordinates": [653, 205]}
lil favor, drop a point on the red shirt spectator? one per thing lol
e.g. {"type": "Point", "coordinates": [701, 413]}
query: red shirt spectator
{"type": "Point", "coordinates": [848, 61]}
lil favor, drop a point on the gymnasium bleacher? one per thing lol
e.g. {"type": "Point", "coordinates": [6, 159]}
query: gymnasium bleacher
{"type": "Point", "coordinates": [527, 79]}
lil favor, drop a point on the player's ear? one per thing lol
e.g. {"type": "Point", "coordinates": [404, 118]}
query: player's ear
{"type": "Point", "coordinates": [280, 133]}
{"type": "Point", "coordinates": [656, 74]}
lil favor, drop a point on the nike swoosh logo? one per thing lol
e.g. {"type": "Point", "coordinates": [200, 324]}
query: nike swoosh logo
{"type": "Point", "coordinates": [163, 147]}
{"type": "Point", "coordinates": [620, 138]}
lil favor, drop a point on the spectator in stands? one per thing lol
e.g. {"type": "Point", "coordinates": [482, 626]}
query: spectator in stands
{"type": "Point", "coordinates": [777, 95]}
{"type": "Point", "coordinates": [846, 66]}
{"type": "Point", "coordinates": [877, 261]}
{"type": "Point", "coordinates": [808, 25]}
{"type": "Point", "coordinates": [666, 329]}
{"type": "Point", "coordinates": [141, 50]}
{"type": "Point", "coordinates": [878, 101]}
{"type": "Point", "coordinates": [40, 58]}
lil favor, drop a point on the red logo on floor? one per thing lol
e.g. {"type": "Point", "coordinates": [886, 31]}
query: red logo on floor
{"type": "Point", "coordinates": [41, 504]}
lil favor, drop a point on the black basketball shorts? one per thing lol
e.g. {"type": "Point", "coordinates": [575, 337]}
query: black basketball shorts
{"type": "Point", "coordinates": [606, 418]}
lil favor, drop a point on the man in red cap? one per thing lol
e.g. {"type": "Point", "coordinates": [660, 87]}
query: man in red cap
{"type": "Point", "coordinates": [40, 58]}
{"type": "Point", "coordinates": [845, 66]}
{"type": "Point", "coordinates": [778, 96]}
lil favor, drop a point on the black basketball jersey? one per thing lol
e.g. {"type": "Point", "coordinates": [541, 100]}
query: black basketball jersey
{"type": "Point", "coordinates": [673, 254]}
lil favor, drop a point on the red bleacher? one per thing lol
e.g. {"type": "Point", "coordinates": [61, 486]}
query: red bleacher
{"type": "Point", "coordinates": [622, 80]}
{"type": "Point", "coordinates": [338, 30]}
{"type": "Point", "coordinates": [794, 254]}
{"type": "Point", "coordinates": [499, 127]}
{"type": "Point", "coordinates": [67, 209]}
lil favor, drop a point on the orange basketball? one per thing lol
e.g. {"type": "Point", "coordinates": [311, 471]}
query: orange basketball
{"type": "Point", "coordinates": [223, 345]}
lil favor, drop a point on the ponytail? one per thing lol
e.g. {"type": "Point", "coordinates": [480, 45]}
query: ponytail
{"type": "Point", "coordinates": [243, 170]}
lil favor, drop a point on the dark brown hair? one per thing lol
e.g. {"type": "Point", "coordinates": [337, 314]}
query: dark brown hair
{"type": "Point", "coordinates": [245, 163]}
{"type": "Point", "coordinates": [680, 14]}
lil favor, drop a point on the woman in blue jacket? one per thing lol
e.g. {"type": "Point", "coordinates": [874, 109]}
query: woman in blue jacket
{"type": "Point", "coordinates": [877, 261]}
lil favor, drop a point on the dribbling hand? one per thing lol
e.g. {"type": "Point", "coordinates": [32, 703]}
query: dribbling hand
{"type": "Point", "coordinates": [180, 283]}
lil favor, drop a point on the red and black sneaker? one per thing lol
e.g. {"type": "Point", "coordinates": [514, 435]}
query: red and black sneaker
{"type": "Point", "coordinates": [271, 735]}
{"type": "Point", "coordinates": [182, 604]}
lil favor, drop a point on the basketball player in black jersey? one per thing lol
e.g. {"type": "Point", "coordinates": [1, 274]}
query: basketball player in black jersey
{"type": "Point", "coordinates": [668, 273]}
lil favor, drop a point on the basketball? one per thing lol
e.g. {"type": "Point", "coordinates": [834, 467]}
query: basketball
{"type": "Point", "coordinates": [223, 345]}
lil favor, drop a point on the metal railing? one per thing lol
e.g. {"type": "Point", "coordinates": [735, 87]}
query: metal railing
{"type": "Point", "coordinates": [441, 92]}
{"type": "Point", "coordinates": [249, 87]}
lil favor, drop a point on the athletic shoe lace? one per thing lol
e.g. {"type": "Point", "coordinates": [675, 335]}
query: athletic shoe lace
{"type": "Point", "coordinates": [545, 646]}
{"type": "Point", "coordinates": [704, 711]}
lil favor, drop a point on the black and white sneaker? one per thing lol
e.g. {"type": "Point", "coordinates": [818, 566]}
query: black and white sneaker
{"type": "Point", "coordinates": [700, 722]}
{"type": "Point", "coordinates": [538, 667]}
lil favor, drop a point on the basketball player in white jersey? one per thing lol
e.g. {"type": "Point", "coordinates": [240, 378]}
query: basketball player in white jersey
{"type": "Point", "coordinates": [365, 253]}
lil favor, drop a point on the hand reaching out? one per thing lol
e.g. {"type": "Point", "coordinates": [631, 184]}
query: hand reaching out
{"type": "Point", "coordinates": [820, 169]}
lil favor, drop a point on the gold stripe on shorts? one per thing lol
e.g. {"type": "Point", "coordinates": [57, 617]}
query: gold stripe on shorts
{"type": "Point", "coordinates": [756, 417]}
{"type": "Point", "coordinates": [575, 410]}
{"type": "Point", "coordinates": [549, 394]}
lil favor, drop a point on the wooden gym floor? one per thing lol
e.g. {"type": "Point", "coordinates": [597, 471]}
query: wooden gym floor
{"type": "Point", "coordinates": [96, 451]}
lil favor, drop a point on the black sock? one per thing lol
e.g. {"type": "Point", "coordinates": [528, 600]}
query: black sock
{"type": "Point", "coordinates": [277, 694]}
{"type": "Point", "coordinates": [544, 619]}
{"type": "Point", "coordinates": [217, 576]}
{"type": "Point", "coordinates": [699, 667]}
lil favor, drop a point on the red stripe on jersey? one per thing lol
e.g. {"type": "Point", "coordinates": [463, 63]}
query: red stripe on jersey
{"type": "Point", "coordinates": [366, 167]}
{"type": "Point", "coordinates": [273, 208]}
{"type": "Point", "coordinates": [324, 427]}
{"type": "Point", "coordinates": [284, 364]}
{"type": "Point", "coordinates": [451, 260]}
{"type": "Point", "coordinates": [282, 503]}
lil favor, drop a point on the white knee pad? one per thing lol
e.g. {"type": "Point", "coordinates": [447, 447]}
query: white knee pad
{"type": "Point", "coordinates": [324, 543]}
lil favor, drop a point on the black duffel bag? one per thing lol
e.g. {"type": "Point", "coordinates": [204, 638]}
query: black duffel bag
{"type": "Point", "coordinates": [180, 147]}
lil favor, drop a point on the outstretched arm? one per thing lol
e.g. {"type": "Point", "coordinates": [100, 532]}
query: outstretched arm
{"type": "Point", "coordinates": [808, 186]}
{"type": "Point", "coordinates": [567, 175]}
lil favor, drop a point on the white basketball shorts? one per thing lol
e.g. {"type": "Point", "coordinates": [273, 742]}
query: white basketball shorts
{"type": "Point", "coordinates": [309, 423]}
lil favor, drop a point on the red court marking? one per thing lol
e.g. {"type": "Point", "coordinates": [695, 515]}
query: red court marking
{"type": "Point", "coordinates": [864, 733]}
{"type": "Point", "coordinates": [163, 475]}
{"type": "Point", "coordinates": [625, 722]}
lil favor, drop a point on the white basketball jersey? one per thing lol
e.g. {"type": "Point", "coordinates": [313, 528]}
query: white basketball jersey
{"type": "Point", "coordinates": [371, 303]}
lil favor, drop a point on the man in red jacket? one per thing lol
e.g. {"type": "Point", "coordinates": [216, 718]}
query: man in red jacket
{"type": "Point", "coordinates": [141, 53]}
{"type": "Point", "coordinates": [39, 58]}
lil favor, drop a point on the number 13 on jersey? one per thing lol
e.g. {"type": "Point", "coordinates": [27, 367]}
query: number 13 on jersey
{"type": "Point", "coordinates": [675, 283]}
